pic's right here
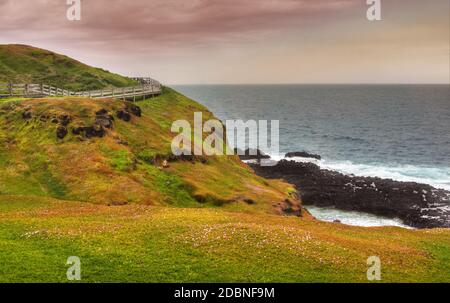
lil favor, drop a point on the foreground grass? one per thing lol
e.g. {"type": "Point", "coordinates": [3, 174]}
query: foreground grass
{"type": "Point", "coordinates": [137, 243]}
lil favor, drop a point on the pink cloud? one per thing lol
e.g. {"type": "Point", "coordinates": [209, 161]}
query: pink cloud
{"type": "Point", "coordinates": [222, 41]}
{"type": "Point", "coordinates": [171, 22]}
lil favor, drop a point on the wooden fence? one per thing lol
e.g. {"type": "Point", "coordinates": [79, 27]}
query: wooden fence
{"type": "Point", "coordinates": [148, 87]}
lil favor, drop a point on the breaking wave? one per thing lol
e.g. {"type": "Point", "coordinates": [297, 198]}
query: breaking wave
{"type": "Point", "coordinates": [438, 177]}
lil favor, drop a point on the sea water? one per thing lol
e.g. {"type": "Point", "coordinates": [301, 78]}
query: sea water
{"type": "Point", "coordinates": [400, 132]}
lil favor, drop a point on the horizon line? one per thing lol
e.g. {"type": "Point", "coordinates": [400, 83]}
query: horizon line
{"type": "Point", "coordinates": [287, 83]}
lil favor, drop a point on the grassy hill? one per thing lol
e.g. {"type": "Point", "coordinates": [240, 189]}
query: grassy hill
{"type": "Point", "coordinates": [123, 162]}
{"type": "Point", "coordinates": [86, 178]}
{"type": "Point", "coordinates": [27, 64]}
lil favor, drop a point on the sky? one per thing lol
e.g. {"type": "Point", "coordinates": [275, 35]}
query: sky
{"type": "Point", "coordinates": [243, 41]}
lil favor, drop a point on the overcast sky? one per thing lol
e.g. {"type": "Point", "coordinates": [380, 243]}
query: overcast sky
{"type": "Point", "coordinates": [243, 41]}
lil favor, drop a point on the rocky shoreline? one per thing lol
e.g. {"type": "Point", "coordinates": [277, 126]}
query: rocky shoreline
{"type": "Point", "coordinates": [417, 205]}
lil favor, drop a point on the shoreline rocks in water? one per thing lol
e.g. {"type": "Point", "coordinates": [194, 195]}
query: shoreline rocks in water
{"type": "Point", "coordinates": [302, 154]}
{"type": "Point", "coordinates": [418, 205]}
{"type": "Point", "coordinates": [251, 154]}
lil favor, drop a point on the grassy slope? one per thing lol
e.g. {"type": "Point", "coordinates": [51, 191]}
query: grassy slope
{"type": "Point", "coordinates": [26, 64]}
{"type": "Point", "coordinates": [125, 165]}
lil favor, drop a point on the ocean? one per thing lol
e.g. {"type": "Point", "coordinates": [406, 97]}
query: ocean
{"type": "Point", "coordinates": [401, 132]}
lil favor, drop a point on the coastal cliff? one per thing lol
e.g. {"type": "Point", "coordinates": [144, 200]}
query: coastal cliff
{"type": "Point", "coordinates": [418, 205]}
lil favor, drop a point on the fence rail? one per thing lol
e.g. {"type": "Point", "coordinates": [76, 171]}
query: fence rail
{"type": "Point", "coordinates": [147, 87]}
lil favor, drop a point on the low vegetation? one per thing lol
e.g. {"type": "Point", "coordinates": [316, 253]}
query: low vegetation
{"type": "Point", "coordinates": [51, 147]}
{"type": "Point", "coordinates": [27, 64]}
{"type": "Point", "coordinates": [140, 243]}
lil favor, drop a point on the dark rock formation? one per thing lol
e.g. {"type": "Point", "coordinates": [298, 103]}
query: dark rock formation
{"type": "Point", "coordinates": [104, 118]}
{"type": "Point", "coordinates": [106, 122]}
{"type": "Point", "coordinates": [89, 131]}
{"type": "Point", "coordinates": [418, 205]}
{"type": "Point", "coordinates": [61, 132]}
{"type": "Point", "coordinates": [27, 115]}
{"type": "Point", "coordinates": [289, 208]}
{"type": "Point", "coordinates": [249, 201]}
{"type": "Point", "coordinates": [183, 157]}
{"type": "Point", "coordinates": [134, 109]}
{"type": "Point", "coordinates": [130, 109]}
{"type": "Point", "coordinates": [78, 130]}
{"type": "Point", "coordinates": [124, 115]}
{"type": "Point", "coordinates": [101, 112]}
{"type": "Point", "coordinates": [64, 119]}
{"type": "Point", "coordinates": [118, 203]}
{"type": "Point", "coordinates": [251, 154]}
{"type": "Point", "coordinates": [302, 154]}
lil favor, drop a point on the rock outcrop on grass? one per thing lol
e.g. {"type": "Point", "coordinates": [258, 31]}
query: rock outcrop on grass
{"type": "Point", "coordinates": [103, 121]}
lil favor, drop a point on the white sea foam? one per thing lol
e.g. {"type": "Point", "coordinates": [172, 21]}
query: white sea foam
{"type": "Point", "coordinates": [436, 177]}
{"type": "Point", "coordinates": [353, 217]}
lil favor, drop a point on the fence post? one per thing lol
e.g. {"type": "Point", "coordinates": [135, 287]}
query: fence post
{"type": "Point", "coordinates": [10, 89]}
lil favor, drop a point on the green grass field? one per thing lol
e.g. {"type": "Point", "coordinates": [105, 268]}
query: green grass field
{"type": "Point", "coordinates": [137, 243]}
